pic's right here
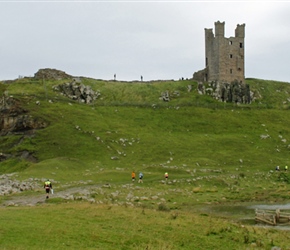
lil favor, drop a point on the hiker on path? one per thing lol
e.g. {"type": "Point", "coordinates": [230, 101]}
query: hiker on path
{"type": "Point", "coordinates": [133, 176]}
{"type": "Point", "coordinates": [277, 168]}
{"type": "Point", "coordinates": [140, 177]}
{"type": "Point", "coordinates": [166, 176]}
{"type": "Point", "coordinates": [47, 185]}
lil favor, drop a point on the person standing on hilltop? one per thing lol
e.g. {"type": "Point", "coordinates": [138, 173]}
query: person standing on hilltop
{"type": "Point", "coordinates": [47, 186]}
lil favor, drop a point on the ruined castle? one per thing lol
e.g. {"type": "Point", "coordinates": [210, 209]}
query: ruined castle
{"type": "Point", "coordinates": [224, 57]}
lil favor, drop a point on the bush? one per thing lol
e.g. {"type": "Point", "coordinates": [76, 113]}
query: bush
{"type": "Point", "coordinates": [163, 207]}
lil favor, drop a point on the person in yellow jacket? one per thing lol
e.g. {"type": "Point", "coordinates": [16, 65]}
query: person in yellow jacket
{"type": "Point", "coordinates": [47, 186]}
{"type": "Point", "coordinates": [166, 176]}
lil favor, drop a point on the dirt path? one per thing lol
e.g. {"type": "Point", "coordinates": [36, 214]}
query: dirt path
{"type": "Point", "coordinates": [32, 200]}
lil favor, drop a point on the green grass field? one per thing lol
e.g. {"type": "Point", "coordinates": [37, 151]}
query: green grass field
{"type": "Point", "coordinates": [84, 226]}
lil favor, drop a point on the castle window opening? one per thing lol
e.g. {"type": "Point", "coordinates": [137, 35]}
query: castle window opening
{"type": "Point", "coordinates": [231, 55]}
{"type": "Point", "coordinates": [241, 45]}
{"type": "Point", "coordinates": [231, 71]}
{"type": "Point", "coordinates": [231, 43]}
{"type": "Point", "coordinates": [206, 62]}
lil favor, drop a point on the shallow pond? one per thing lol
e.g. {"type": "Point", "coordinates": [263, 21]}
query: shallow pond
{"type": "Point", "coordinates": [245, 212]}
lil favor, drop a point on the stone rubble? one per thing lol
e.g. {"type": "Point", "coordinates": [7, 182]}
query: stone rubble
{"type": "Point", "coordinates": [78, 92]}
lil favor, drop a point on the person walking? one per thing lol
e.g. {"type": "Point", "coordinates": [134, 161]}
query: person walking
{"type": "Point", "coordinates": [166, 176]}
{"type": "Point", "coordinates": [133, 176]}
{"type": "Point", "coordinates": [286, 168]}
{"type": "Point", "coordinates": [140, 177]}
{"type": "Point", "coordinates": [47, 186]}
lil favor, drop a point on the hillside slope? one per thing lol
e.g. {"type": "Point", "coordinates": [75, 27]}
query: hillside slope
{"type": "Point", "coordinates": [130, 126]}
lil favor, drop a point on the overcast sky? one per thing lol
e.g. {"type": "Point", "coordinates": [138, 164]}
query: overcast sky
{"type": "Point", "coordinates": [155, 39]}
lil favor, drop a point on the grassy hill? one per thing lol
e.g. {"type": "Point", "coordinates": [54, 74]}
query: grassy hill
{"type": "Point", "coordinates": [130, 123]}
{"type": "Point", "coordinates": [214, 152]}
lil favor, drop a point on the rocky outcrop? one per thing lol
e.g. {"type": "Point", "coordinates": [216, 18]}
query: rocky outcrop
{"type": "Point", "coordinates": [9, 186]}
{"type": "Point", "coordinates": [51, 74]}
{"type": "Point", "coordinates": [77, 91]}
{"type": "Point", "coordinates": [234, 92]}
{"type": "Point", "coordinates": [167, 96]}
{"type": "Point", "coordinates": [15, 119]}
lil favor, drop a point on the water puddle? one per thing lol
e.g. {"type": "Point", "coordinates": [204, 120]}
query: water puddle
{"type": "Point", "coordinates": [245, 213]}
{"type": "Point", "coordinates": [272, 206]}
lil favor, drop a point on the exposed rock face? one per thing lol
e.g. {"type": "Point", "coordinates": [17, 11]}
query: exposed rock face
{"type": "Point", "coordinates": [16, 119]}
{"type": "Point", "coordinates": [78, 92]}
{"type": "Point", "coordinates": [234, 92]}
{"type": "Point", "coordinates": [51, 74]}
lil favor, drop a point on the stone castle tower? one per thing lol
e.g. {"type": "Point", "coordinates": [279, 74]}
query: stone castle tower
{"type": "Point", "coordinates": [224, 57]}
